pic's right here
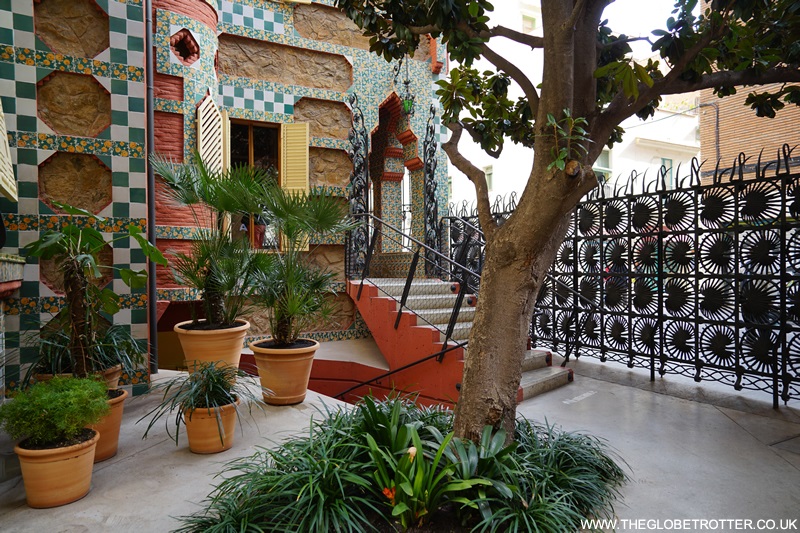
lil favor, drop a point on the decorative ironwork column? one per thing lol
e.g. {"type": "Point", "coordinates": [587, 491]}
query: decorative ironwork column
{"type": "Point", "coordinates": [432, 227]}
{"type": "Point", "coordinates": [358, 239]}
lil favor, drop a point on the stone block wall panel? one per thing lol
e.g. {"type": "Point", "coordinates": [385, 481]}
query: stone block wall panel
{"type": "Point", "coordinates": [328, 24]}
{"type": "Point", "coordinates": [73, 27]}
{"type": "Point", "coordinates": [249, 58]}
{"type": "Point", "coordinates": [73, 104]}
{"type": "Point", "coordinates": [79, 180]}
{"type": "Point", "coordinates": [326, 119]}
{"type": "Point", "coordinates": [329, 168]}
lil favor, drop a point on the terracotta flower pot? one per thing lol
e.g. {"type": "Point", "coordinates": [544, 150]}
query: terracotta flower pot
{"type": "Point", "coordinates": [57, 476]}
{"type": "Point", "coordinates": [212, 345]}
{"type": "Point", "coordinates": [108, 428]}
{"type": "Point", "coordinates": [203, 430]}
{"type": "Point", "coordinates": [111, 376]}
{"type": "Point", "coordinates": [284, 371]}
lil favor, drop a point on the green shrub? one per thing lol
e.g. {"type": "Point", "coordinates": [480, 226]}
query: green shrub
{"type": "Point", "coordinates": [393, 462]}
{"type": "Point", "coordinates": [54, 411]}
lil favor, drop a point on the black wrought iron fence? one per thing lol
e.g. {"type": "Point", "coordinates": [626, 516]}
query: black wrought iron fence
{"type": "Point", "coordinates": [702, 280]}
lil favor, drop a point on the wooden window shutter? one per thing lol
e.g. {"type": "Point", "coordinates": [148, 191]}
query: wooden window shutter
{"type": "Point", "coordinates": [8, 185]}
{"type": "Point", "coordinates": [294, 159]}
{"type": "Point", "coordinates": [211, 135]}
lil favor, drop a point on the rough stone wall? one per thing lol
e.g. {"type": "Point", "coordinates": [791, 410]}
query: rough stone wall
{"type": "Point", "coordinates": [77, 179]}
{"type": "Point", "coordinates": [326, 119]}
{"type": "Point", "coordinates": [73, 104]}
{"type": "Point", "coordinates": [329, 167]}
{"type": "Point", "coordinates": [53, 276]}
{"type": "Point", "coordinates": [86, 34]}
{"type": "Point", "coordinates": [328, 24]}
{"type": "Point", "coordinates": [329, 258]}
{"type": "Point", "coordinates": [262, 60]}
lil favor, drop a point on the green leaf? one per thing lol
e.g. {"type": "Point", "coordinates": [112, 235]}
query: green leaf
{"type": "Point", "coordinates": [400, 508]}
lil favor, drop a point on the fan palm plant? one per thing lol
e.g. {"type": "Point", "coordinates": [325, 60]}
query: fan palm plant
{"type": "Point", "coordinates": [220, 266]}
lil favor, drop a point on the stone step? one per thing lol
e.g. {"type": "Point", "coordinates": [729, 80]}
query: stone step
{"type": "Point", "coordinates": [534, 359]}
{"type": "Point", "coordinates": [542, 380]}
{"type": "Point", "coordinates": [437, 301]}
{"type": "Point", "coordinates": [394, 286]}
{"type": "Point", "coordinates": [442, 316]}
{"type": "Point", "coordinates": [460, 330]}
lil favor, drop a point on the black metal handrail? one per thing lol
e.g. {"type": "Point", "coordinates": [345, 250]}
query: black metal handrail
{"type": "Point", "coordinates": [455, 271]}
{"type": "Point", "coordinates": [439, 356]}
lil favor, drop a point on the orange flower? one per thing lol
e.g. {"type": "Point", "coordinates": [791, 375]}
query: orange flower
{"type": "Point", "coordinates": [389, 493]}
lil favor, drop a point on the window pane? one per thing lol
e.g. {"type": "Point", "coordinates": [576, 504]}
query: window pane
{"type": "Point", "coordinates": [265, 147]}
{"type": "Point", "coordinates": [240, 152]}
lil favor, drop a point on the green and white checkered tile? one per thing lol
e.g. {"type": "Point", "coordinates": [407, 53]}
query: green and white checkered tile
{"type": "Point", "coordinates": [126, 30]}
{"type": "Point", "coordinates": [252, 17]}
{"type": "Point", "coordinates": [255, 99]}
{"type": "Point", "coordinates": [22, 23]}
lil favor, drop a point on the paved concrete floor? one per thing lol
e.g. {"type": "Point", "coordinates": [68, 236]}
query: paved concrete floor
{"type": "Point", "coordinates": [716, 456]}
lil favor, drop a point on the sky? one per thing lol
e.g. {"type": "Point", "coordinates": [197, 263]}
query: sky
{"type": "Point", "coordinates": [639, 18]}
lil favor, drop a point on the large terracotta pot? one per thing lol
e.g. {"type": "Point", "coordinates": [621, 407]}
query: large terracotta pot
{"type": "Point", "coordinates": [204, 432]}
{"type": "Point", "coordinates": [57, 476]}
{"type": "Point", "coordinates": [108, 428]}
{"type": "Point", "coordinates": [223, 345]}
{"type": "Point", "coordinates": [284, 371]}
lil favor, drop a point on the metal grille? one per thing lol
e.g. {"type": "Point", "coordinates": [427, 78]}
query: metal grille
{"type": "Point", "coordinates": [701, 280]}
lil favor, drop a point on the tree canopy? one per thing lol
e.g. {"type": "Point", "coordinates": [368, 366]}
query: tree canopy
{"type": "Point", "coordinates": [590, 83]}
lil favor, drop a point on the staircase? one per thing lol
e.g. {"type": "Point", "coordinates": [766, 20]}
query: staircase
{"type": "Point", "coordinates": [420, 334]}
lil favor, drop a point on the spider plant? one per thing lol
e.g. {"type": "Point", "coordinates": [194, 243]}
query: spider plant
{"type": "Point", "coordinates": [209, 387]}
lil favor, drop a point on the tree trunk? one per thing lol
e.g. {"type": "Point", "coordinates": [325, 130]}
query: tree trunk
{"type": "Point", "coordinates": [517, 260]}
{"type": "Point", "coordinates": [75, 288]}
{"type": "Point", "coordinates": [215, 307]}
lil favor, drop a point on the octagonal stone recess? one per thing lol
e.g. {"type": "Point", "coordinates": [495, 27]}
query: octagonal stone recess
{"type": "Point", "coordinates": [80, 180]}
{"type": "Point", "coordinates": [184, 46]}
{"type": "Point", "coordinates": [51, 275]}
{"type": "Point", "coordinates": [72, 27]}
{"type": "Point", "coordinates": [73, 104]}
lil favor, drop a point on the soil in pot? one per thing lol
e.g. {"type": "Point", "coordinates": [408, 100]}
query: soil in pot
{"type": "Point", "coordinates": [58, 476]}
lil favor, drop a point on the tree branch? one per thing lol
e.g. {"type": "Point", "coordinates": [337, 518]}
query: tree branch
{"type": "Point", "coordinates": [576, 12]}
{"type": "Point", "coordinates": [601, 46]}
{"type": "Point", "coordinates": [517, 36]}
{"type": "Point", "coordinates": [475, 175]}
{"type": "Point", "coordinates": [516, 74]}
{"type": "Point", "coordinates": [729, 78]}
{"type": "Point", "coordinates": [477, 138]}
{"type": "Point", "coordinates": [422, 30]}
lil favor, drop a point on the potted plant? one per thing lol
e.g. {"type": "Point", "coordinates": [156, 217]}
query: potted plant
{"type": "Point", "coordinates": [82, 341]}
{"type": "Point", "coordinates": [207, 402]}
{"type": "Point", "coordinates": [294, 291]}
{"type": "Point", "coordinates": [220, 266]}
{"type": "Point", "coordinates": [58, 450]}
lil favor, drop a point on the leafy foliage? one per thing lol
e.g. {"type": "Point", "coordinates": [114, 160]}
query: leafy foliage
{"type": "Point", "coordinates": [54, 411]}
{"type": "Point", "coordinates": [209, 386]}
{"type": "Point", "coordinates": [294, 291]}
{"type": "Point", "coordinates": [109, 346]}
{"type": "Point", "coordinates": [76, 248]}
{"type": "Point", "coordinates": [222, 268]}
{"type": "Point", "coordinates": [384, 461]}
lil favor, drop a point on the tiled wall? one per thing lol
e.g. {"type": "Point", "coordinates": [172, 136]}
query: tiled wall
{"type": "Point", "coordinates": [25, 60]}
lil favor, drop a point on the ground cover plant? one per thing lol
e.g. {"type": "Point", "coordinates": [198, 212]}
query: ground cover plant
{"type": "Point", "coordinates": [393, 466]}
